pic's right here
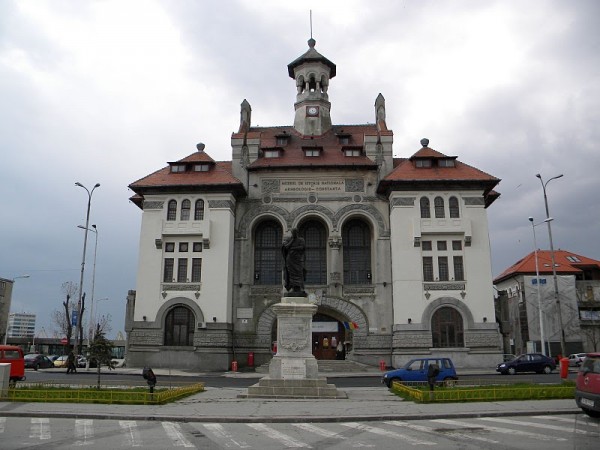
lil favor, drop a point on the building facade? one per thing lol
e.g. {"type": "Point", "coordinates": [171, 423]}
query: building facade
{"type": "Point", "coordinates": [397, 249]}
{"type": "Point", "coordinates": [21, 325]}
{"type": "Point", "coordinates": [518, 309]}
{"type": "Point", "coordinates": [6, 287]}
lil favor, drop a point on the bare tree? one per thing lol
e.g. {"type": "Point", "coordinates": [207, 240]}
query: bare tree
{"type": "Point", "coordinates": [62, 317]}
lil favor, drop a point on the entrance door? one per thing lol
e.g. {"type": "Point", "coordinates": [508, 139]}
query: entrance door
{"type": "Point", "coordinates": [327, 333]}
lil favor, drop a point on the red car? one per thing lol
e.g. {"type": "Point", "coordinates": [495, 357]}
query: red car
{"type": "Point", "coordinates": [14, 356]}
{"type": "Point", "coordinates": [587, 387]}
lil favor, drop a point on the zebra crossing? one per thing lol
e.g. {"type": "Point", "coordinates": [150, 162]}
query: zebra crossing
{"type": "Point", "coordinates": [545, 432]}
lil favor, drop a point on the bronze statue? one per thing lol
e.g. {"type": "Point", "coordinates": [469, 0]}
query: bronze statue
{"type": "Point", "coordinates": [294, 272]}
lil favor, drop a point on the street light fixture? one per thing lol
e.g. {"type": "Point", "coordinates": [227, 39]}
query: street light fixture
{"type": "Point", "coordinates": [563, 347]}
{"type": "Point", "coordinates": [537, 282]}
{"type": "Point", "coordinates": [8, 305]}
{"type": "Point", "coordinates": [87, 226]}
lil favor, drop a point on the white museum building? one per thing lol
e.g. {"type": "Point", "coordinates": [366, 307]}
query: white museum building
{"type": "Point", "coordinates": [397, 248]}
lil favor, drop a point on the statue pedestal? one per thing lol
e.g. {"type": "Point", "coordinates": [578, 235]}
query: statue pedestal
{"type": "Point", "coordinates": [293, 372]}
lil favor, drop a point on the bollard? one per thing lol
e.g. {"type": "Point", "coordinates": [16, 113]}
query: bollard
{"type": "Point", "coordinates": [382, 365]}
{"type": "Point", "coordinates": [564, 367]}
{"type": "Point", "coordinates": [250, 359]}
{"type": "Point", "coordinates": [234, 366]}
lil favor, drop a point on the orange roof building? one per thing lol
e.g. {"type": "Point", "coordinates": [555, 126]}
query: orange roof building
{"type": "Point", "coordinates": [397, 246]}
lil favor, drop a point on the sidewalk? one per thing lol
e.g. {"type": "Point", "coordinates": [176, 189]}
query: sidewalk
{"type": "Point", "coordinates": [223, 405]}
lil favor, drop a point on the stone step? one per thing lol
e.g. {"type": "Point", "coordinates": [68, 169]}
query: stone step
{"type": "Point", "coordinates": [333, 366]}
{"type": "Point", "coordinates": [302, 389]}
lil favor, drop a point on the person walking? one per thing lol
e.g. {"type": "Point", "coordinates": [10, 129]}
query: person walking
{"type": "Point", "coordinates": [71, 363]}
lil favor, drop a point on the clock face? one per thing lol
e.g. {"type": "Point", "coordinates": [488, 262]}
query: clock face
{"type": "Point", "coordinates": [312, 111]}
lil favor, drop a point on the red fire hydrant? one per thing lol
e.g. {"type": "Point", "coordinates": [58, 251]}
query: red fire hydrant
{"type": "Point", "coordinates": [382, 365]}
{"type": "Point", "coordinates": [564, 367]}
{"type": "Point", "coordinates": [234, 366]}
{"type": "Point", "coordinates": [250, 359]}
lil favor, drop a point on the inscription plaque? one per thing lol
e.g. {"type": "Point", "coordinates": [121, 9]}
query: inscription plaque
{"type": "Point", "coordinates": [293, 369]}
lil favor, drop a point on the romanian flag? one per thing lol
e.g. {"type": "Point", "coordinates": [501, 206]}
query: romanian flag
{"type": "Point", "coordinates": [350, 325]}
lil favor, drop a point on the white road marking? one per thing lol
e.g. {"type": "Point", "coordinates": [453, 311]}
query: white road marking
{"type": "Point", "coordinates": [328, 434]}
{"type": "Point", "coordinates": [219, 431]}
{"type": "Point", "coordinates": [173, 430]}
{"type": "Point", "coordinates": [286, 440]}
{"type": "Point", "coordinates": [382, 432]}
{"type": "Point", "coordinates": [542, 437]}
{"type": "Point", "coordinates": [130, 426]}
{"type": "Point", "coordinates": [40, 428]}
{"type": "Point", "coordinates": [84, 431]}
{"type": "Point", "coordinates": [430, 430]}
{"type": "Point", "coordinates": [532, 424]}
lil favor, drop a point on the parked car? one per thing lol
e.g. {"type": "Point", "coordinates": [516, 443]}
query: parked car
{"type": "Point", "coordinates": [61, 361]}
{"type": "Point", "coordinates": [529, 362]}
{"type": "Point", "coordinates": [587, 385]}
{"type": "Point", "coordinates": [416, 370]}
{"type": "Point", "coordinates": [36, 361]}
{"type": "Point", "coordinates": [13, 355]}
{"type": "Point", "coordinates": [508, 357]}
{"type": "Point", "coordinates": [576, 359]}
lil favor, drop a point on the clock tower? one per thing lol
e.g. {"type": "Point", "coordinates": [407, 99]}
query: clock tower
{"type": "Point", "coordinates": [312, 72]}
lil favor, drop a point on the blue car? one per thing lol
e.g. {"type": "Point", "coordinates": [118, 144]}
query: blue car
{"type": "Point", "coordinates": [417, 369]}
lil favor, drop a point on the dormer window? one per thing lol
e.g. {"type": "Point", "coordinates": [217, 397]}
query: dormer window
{"type": "Point", "coordinates": [423, 163]}
{"type": "Point", "coordinates": [573, 259]}
{"type": "Point", "coordinates": [446, 163]}
{"type": "Point", "coordinates": [312, 151]}
{"type": "Point", "coordinates": [201, 167]}
{"type": "Point", "coordinates": [177, 168]}
{"type": "Point", "coordinates": [282, 140]}
{"type": "Point", "coordinates": [272, 153]}
{"type": "Point", "coordinates": [343, 138]}
{"type": "Point", "coordinates": [352, 151]}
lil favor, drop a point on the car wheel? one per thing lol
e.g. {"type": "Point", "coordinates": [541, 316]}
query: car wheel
{"type": "Point", "coordinates": [591, 413]}
{"type": "Point", "coordinates": [547, 370]}
{"type": "Point", "coordinates": [449, 382]}
{"type": "Point", "coordinates": [512, 371]}
{"type": "Point", "coordinates": [392, 380]}
{"type": "Point", "coordinates": [36, 367]}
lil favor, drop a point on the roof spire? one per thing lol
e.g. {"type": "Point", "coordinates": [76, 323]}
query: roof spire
{"type": "Point", "coordinates": [311, 41]}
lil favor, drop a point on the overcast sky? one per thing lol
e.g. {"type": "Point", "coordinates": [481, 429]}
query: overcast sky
{"type": "Point", "coordinates": [108, 91]}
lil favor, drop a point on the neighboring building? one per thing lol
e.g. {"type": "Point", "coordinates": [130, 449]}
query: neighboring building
{"type": "Point", "coordinates": [578, 280]}
{"type": "Point", "coordinates": [6, 287]}
{"type": "Point", "coordinates": [397, 257]}
{"type": "Point", "coordinates": [21, 325]}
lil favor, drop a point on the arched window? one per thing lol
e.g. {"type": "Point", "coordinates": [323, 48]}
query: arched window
{"type": "Point", "coordinates": [199, 210]}
{"type": "Point", "coordinates": [172, 210]}
{"type": "Point", "coordinates": [438, 204]}
{"type": "Point", "coordinates": [356, 239]}
{"type": "Point", "coordinates": [453, 206]}
{"type": "Point", "coordinates": [447, 328]}
{"type": "Point", "coordinates": [179, 327]}
{"type": "Point", "coordinates": [425, 209]}
{"type": "Point", "coordinates": [268, 262]}
{"type": "Point", "coordinates": [186, 205]}
{"type": "Point", "coordinates": [315, 239]}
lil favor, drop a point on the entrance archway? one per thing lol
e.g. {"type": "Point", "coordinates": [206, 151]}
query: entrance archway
{"type": "Point", "coordinates": [327, 333]}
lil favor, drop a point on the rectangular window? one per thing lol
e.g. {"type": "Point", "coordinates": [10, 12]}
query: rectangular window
{"type": "Point", "coordinates": [352, 152]}
{"type": "Point", "coordinates": [443, 268]}
{"type": "Point", "coordinates": [344, 140]}
{"type": "Point", "coordinates": [170, 247]}
{"type": "Point", "coordinates": [196, 269]}
{"type": "Point", "coordinates": [427, 268]}
{"type": "Point", "coordinates": [456, 245]}
{"type": "Point", "coordinates": [282, 140]}
{"type": "Point", "coordinates": [445, 162]}
{"type": "Point", "coordinates": [312, 152]}
{"type": "Point", "coordinates": [423, 163]}
{"type": "Point", "coordinates": [197, 246]}
{"type": "Point", "coordinates": [168, 270]}
{"type": "Point", "coordinates": [459, 271]}
{"type": "Point", "coordinates": [442, 246]}
{"type": "Point", "coordinates": [182, 264]}
{"type": "Point", "coordinates": [201, 167]}
{"type": "Point", "coordinates": [177, 168]}
{"type": "Point", "coordinates": [183, 246]}
{"type": "Point", "coordinates": [271, 153]}
{"type": "Point", "coordinates": [426, 245]}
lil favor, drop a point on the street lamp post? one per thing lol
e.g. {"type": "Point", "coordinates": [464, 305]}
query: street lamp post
{"type": "Point", "coordinates": [537, 282]}
{"type": "Point", "coordinates": [87, 226]}
{"type": "Point", "coordinates": [8, 305]}
{"type": "Point", "coordinates": [563, 347]}
{"type": "Point", "coordinates": [94, 230]}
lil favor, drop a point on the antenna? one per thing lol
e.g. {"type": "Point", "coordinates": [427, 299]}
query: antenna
{"type": "Point", "coordinates": [311, 23]}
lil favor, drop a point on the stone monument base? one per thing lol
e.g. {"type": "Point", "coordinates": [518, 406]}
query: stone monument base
{"type": "Point", "coordinates": [308, 388]}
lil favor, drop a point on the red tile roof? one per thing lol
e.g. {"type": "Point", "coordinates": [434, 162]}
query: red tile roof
{"type": "Point", "coordinates": [332, 154]}
{"type": "Point", "coordinates": [564, 266]}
